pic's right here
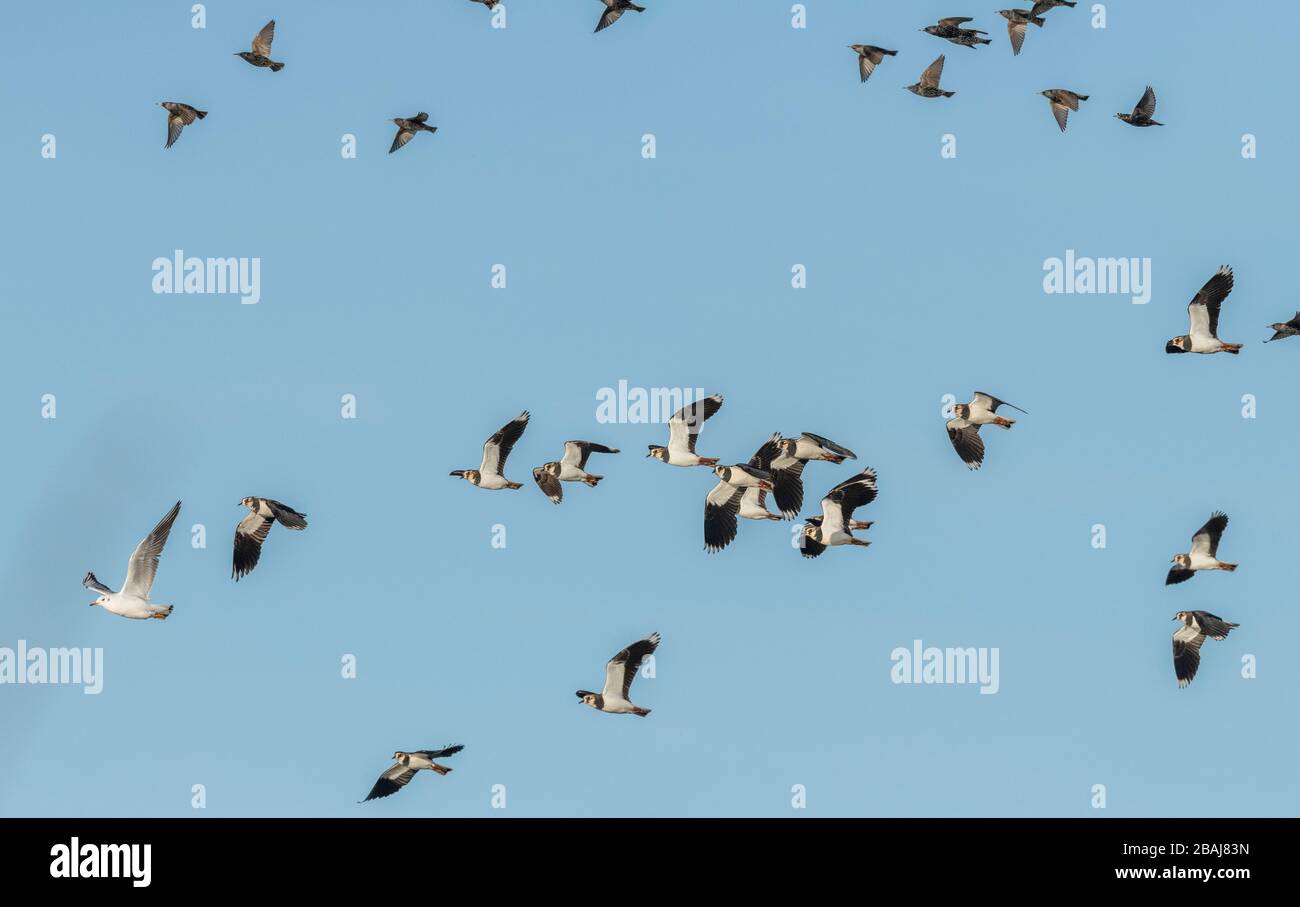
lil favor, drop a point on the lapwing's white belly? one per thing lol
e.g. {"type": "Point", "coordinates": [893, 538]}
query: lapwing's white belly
{"type": "Point", "coordinates": [491, 481]}
{"type": "Point", "coordinates": [571, 473]}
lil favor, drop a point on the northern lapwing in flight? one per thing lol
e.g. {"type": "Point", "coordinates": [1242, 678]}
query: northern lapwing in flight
{"type": "Point", "coordinates": [261, 52]}
{"type": "Point", "coordinates": [407, 127]}
{"type": "Point", "coordinates": [404, 767]}
{"type": "Point", "coordinates": [133, 599]}
{"type": "Point", "coordinates": [683, 430]}
{"type": "Point", "coordinates": [1188, 638]}
{"type": "Point", "coordinates": [869, 57]}
{"type": "Point", "coordinates": [1018, 20]}
{"type": "Point", "coordinates": [619, 674]}
{"type": "Point", "coordinates": [786, 461]}
{"type": "Point", "coordinates": [251, 531]}
{"type": "Point", "coordinates": [964, 426]}
{"type": "Point", "coordinates": [836, 524]}
{"type": "Point", "coordinates": [723, 503]}
{"type": "Point", "coordinates": [1144, 111]}
{"type": "Point", "coordinates": [1062, 101]}
{"type": "Point", "coordinates": [1204, 553]}
{"type": "Point", "coordinates": [950, 29]}
{"type": "Point", "coordinates": [928, 86]}
{"type": "Point", "coordinates": [572, 467]}
{"type": "Point", "coordinates": [178, 117]}
{"type": "Point", "coordinates": [1203, 314]}
{"type": "Point", "coordinates": [613, 10]}
{"type": "Point", "coordinates": [491, 472]}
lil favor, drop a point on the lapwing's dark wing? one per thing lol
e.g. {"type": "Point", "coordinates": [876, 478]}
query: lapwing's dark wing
{"type": "Point", "coordinates": [498, 447]}
{"type": "Point", "coordinates": [991, 403]}
{"type": "Point", "coordinates": [390, 782]}
{"type": "Point", "coordinates": [286, 516]}
{"type": "Point", "coordinates": [810, 547]}
{"type": "Point", "coordinates": [549, 483]}
{"type": "Point", "coordinates": [576, 453]}
{"type": "Point", "coordinates": [721, 507]}
{"type": "Point", "coordinates": [1206, 539]}
{"type": "Point", "coordinates": [1214, 626]}
{"type": "Point", "coordinates": [445, 751]}
{"type": "Point", "coordinates": [1187, 653]}
{"type": "Point", "coordinates": [1178, 575]}
{"type": "Point", "coordinates": [686, 423]}
{"type": "Point", "coordinates": [249, 536]}
{"type": "Point", "coordinates": [622, 667]}
{"type": "Point", "coordinates": [858, 491]}
{"type": "Point", "coordinates": [1211, 297]}
{"type": "Point", "coordinates": [966, 440]}
{"type": "Point", "coordinates": [832, 446]}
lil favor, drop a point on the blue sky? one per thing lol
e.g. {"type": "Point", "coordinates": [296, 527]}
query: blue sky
{"type": "Point", "coordinates": [924, 279]}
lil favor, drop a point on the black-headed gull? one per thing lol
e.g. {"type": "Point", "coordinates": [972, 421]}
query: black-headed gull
{"type": "Point", "coordinates": [133, 600]}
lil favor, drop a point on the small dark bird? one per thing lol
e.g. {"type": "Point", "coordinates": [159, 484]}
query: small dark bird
{"type": "Point", "coordinates": [261, 53]}
{"type": "Point", "coordinates": [1286, 328]}
{"type": "Point", "coordinates": [1063, 101]}
{"type": "Point", "coordinates": [178, 117]}
{"type": "Point", "coordinates": [406, 129]}
{"type": "Point", "coordinates": [1143, 112]}
{"type": "Point", "coordinates": [1017, 21]}
{"type": "Point", "coordinates": [869, 56]}
{"type": "Point", "coordinates": [950, 30]}
{"type": "Point", "coordinates": [405, 765]}
{"type": "Point", "coordinates": [928, 87]}
{"type": "Point", "coordinates": [1188, 638]}
{"type": "Point", "coordinates": [616, 8]}
{"type": "Point", "coordinates": [1043, 6]}
{"type": "Point", "coordinates": [492, 4]}
{"type": "Point", "coordinates": [251, 531]}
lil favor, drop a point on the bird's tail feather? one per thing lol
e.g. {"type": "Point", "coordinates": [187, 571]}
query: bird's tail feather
{"type": "Point", "coordinates": [1233, 348]}
{"type": "Point", "coordinates": [276, 67]}
{"type": "Point", "coordinates": [708, 461]}
{"type": "Point", "coordinates": [1228, 567]}
{"type": "Point", "coordinates": [637, 710]}
{"type": "Point", "coordinates": [200, 113]}
{"type": "Point", "coordinates": [440, 769]}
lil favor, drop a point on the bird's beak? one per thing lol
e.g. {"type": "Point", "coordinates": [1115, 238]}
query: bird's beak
{"type": "Point", "coordinates": [92, 604]}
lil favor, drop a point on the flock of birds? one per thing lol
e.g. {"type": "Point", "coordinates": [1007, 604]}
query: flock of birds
{"type": "Point", "coordinates": [742, 489]}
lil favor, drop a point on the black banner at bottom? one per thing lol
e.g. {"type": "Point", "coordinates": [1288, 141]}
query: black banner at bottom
{"type": "Point", "coordinates": [308, 855]}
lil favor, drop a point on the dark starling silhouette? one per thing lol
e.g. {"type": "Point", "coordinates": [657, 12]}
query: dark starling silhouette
{"type": "Point", "coordinates": [1017, 21]}
{"type": "Point", "coordinates": [616, 8]}
{"type": "Point", "coordinates": [950, 30]}
{"type": "Point", "coordinates": [928, 87]}
{"type": "Point", "coordinates": [1285, 328]}
{"type": "Point", "coordinates": [869, 56]}
{"type": "Point", "coordinates": [1143, 112]}
{"type": "Point", "coordinates": [490, 4]}
{"type": "Point", "coordinates": [406, 129]}
{"type": "Point", "coordinates": [178, 117]}
{"type": "Point", "coordinates": [1063, 101]}
{"type": "Point", "coordinates": [261, 53]}
{"type": "Point", "coordinates": [1043, 6]}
